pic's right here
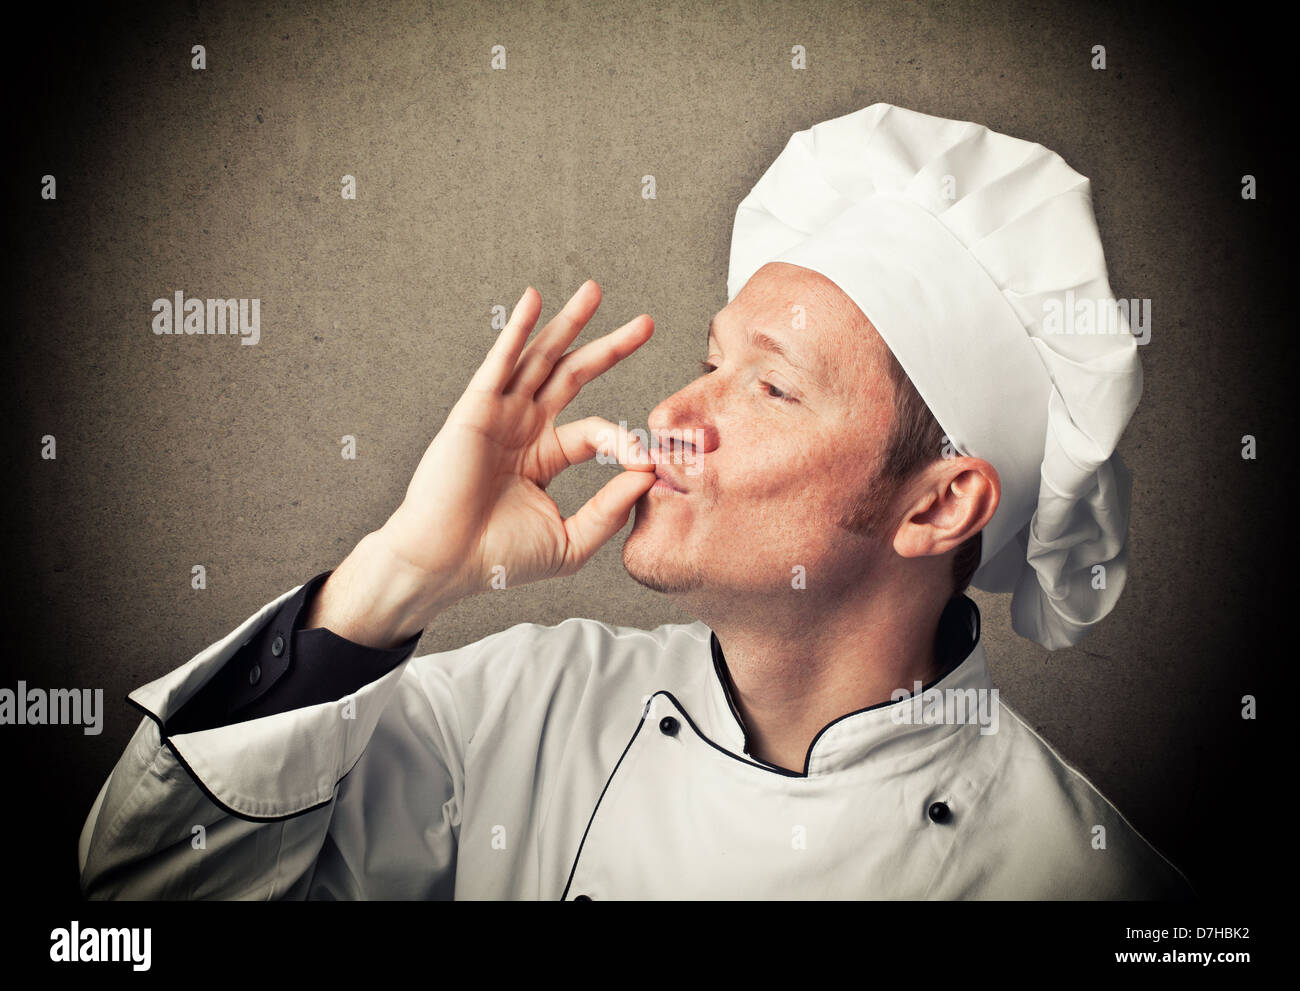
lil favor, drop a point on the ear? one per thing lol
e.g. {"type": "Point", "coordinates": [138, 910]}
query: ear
{"type": "Point", "coordinates": [952, 500]}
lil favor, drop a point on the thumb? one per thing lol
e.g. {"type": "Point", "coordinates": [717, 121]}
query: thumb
{"type": "Point", "coordinates": [602, 516]}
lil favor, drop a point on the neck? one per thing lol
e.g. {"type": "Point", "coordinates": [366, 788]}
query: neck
{"type": "Point", "coordinates": [797, 664]}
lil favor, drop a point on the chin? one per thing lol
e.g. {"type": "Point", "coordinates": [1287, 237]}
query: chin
{"type": "Point", "coordinates": [658, 569]}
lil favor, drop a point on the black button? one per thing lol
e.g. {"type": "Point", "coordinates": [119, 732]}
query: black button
{"type": "Point", "coordinates": [582, 898]}
{"type": "Point", "coordinates": [277, 645]}
{"type": "Point", "coordinates": [668, 726]}
{"type": "Point", "coordinates": [255, 675]}
{"type": "Point", "coordinates": [938, 812]}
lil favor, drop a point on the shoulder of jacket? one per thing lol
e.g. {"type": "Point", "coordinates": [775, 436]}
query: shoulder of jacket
{"type": "Point", "coordinates": [1067, 807]}
{"type": "Point", "coordinates": [596, 636]}
{"type": "Point", "coordinates": [576, 645]}
{"type": "Point", "coordinates": [530, 678]}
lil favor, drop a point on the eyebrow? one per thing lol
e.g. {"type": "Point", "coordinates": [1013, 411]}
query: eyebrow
{"type": "Point", "coordinates": [770, 344]}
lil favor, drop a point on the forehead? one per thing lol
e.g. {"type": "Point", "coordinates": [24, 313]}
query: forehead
{"type": "Point", "coordinates": [811, 315]}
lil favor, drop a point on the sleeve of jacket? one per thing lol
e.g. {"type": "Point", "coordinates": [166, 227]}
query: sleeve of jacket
{"type": "Point", "coordinates": [282, 763]}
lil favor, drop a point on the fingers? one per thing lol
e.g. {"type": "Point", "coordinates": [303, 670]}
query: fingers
{"type": "Point", "coordinates": [583, 439]}
{"type": "Point", "coordinates": [579, 367]}
{"type": "Point", "coordinates": [602, 516]}
{"type": "Point", "coordinates": [501, 360]}
{"type": "Point", "coordinates": [540, 356]}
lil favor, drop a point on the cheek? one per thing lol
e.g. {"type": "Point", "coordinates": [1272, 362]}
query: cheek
{"type": "Point", "coordinates": [790, 480]}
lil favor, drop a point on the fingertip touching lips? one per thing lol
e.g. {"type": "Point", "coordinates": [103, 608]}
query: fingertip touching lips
{"type": "Point", "coordinates": [667, 479]}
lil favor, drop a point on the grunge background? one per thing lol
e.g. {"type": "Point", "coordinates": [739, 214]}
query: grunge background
{"type": "Point", "coordinates": [472, 184]}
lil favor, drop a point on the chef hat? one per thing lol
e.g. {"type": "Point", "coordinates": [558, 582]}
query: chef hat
{"type": "Point", "coordinates": [967, 250]}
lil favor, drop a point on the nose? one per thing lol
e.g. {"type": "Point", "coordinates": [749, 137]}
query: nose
{"type": "Point", "coordinates": [684, 421]}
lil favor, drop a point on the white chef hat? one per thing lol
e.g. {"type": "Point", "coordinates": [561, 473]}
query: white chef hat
{"type": "Point", "coordinates": [960, 245]}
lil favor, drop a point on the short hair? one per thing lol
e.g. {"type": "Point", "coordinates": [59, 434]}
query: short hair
{"type": "Point", "coordinates": [915, 440]}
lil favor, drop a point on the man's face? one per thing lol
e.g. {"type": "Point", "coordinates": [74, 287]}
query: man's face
{"type": "Point", "coordinates": [779, 447]}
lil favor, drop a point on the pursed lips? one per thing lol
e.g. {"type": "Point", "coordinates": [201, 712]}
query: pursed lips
{"type": "Point", "coordinates": [664, 479]}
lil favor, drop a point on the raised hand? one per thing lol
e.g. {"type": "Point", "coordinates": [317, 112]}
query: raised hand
{"type": "Point", "coordinates": [478, 500]}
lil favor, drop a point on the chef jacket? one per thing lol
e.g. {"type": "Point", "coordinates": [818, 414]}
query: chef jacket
{"type": "Point", "coordinates": [577, 761]}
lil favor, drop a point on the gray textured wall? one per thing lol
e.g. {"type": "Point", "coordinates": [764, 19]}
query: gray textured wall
{"type": "Point", "coordinates": [471, 185]}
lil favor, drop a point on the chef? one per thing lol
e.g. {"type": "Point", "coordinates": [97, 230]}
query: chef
{"type": "Point", "coordinates": [884, 414]}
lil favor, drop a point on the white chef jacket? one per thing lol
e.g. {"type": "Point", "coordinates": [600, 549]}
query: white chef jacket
{"type": "Point", "coordinates": [585, 760]}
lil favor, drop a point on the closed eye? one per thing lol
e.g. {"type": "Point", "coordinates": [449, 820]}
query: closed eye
{"type": "Point", "coordinates": [772, 390]}
{"type": "Point", "coordinates": [776, 393]}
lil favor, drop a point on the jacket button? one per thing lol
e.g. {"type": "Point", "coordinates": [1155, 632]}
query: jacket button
{"type": "Point", "coordinates": [277, 645]}
{"type": "Point", "coordinates": [582, 898]}
{"type": "Point", "coordinates": [255, 675]}
{"type": "Point", "coordinates": [938, 812]}
{"type": "Point", "coordinates": [668, 726]}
